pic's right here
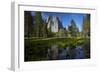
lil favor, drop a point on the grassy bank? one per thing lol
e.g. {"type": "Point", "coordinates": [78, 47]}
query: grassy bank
{"type": "Point", "coordinates": [59, 41]}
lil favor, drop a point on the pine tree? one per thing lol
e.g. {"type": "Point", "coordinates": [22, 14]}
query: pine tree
{"type": "Point", "coordinates": [73, 30]}
{"type": "Point", "coordinates": [28, 31]}
{"type": "Point", "coordinates": [86, 26]}
{"type": "Point", "coordinates": [38, 24]}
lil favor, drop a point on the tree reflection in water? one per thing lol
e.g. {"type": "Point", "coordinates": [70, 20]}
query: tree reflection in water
{"type": "Point", "coordinates": [55, 53]}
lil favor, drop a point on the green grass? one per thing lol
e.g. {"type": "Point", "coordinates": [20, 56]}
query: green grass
{"type": "Point", "coordinates": [59, 41]}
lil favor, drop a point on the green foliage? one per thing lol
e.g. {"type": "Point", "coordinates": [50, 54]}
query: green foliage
{"type": "Point", "coordinates": [73, 30]}
{"type": "Point", "coordinates": [37, 24]}
{"type": "Point", "coordinates": [86, 26]}
{"type": "Point", "coordinates": [61, 33]}
{"type": "Point", "coordinates": [28, 31]}
{"type": "Point", "coordinates": [44, 30]}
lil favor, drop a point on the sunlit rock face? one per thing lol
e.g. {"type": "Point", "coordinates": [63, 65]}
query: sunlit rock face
{"type": "Point", "coordinates": [53, 23]}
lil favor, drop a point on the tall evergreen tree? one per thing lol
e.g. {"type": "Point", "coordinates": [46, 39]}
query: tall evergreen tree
{"type": "Point", "coordinates": [86, 25]}
{"type": "Point", "coordinates": [28, 24]}
{"type": "Point", "coordinates": [38, 24]}
{"type": "Point", "coordinates": [44, 30]}
{"type": "Point", "coordinates": [73, 30]}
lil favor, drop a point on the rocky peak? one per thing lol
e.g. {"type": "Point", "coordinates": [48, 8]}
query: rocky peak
{"type": "Point", "coordinates": [54, 23]}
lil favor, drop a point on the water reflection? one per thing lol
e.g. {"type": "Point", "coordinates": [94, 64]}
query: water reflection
{"type": "Point", "coordinates": [79, 52]}
{"type": "Point", "coordinates": [55, 53]}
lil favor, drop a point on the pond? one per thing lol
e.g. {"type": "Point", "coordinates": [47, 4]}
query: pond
{"type": "Point", "coordinates": [56, 50]}
{"type": "Point", "coordinates": [55, 53]}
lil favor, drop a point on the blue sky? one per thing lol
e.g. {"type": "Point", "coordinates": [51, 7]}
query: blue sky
{"type": "Point", "coordinates": [65, 18]}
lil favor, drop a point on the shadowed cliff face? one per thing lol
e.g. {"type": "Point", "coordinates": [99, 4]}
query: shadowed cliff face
{"type": "Point", "coordinates": [53, 23]}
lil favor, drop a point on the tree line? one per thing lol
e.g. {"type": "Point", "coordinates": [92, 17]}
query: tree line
{"type": "Point", "coordinates": [35, 26]}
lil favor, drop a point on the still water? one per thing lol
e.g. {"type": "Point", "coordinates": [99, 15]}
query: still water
{"type": "Point", "coordinates": [41, 53]}
{"type": "Point", "coordinates": [55, 53]}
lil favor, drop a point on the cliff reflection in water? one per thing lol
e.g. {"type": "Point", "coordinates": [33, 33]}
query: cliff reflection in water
{"type": "Point", "coordinates": [55, 53]}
